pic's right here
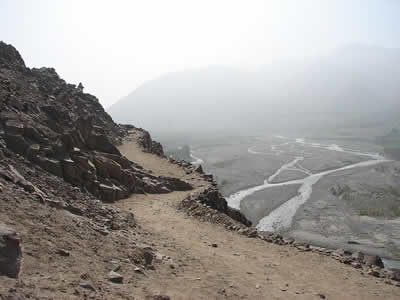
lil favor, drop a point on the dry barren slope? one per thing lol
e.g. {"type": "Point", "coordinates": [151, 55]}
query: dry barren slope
{"type": "Point", "coordinates": [236, 267]}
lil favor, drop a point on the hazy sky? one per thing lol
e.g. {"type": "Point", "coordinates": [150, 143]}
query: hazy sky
{"type": "Point", "coordinates": [114, 46]}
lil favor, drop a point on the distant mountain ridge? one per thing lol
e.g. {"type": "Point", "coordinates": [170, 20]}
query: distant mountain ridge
{"type": "Point", "coordinates": [355, 86]}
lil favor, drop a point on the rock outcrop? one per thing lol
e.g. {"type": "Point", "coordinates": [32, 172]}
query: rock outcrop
{"type": "Point", "coordinates": [149, 145]}
{"type": "Point", "coordinates": [56, 126]}
{"type": "Point", "coordinates": [202, 205]}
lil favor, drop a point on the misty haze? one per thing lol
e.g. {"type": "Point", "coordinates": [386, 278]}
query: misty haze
{"type": "Point", "coordinates": [187, 150]}
{"type": "Point", "coordinates": [355, 87]}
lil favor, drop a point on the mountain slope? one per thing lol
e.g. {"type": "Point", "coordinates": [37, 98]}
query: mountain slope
{"type": "Point", "coordinates": [355, 86]}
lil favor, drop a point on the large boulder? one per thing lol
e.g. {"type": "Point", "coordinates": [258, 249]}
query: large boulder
{"type": "Point", "coordinates": [212, 198]}
{"type": "Point", "coordinates": [199, 169]}
{"type": "Point", "coordinates": [51, 165]}
{"type": "Point", "coordinates": [33, 152]}
{"type": "Point", "coordinates": [73, 139]}
{"type": "Point", "coordinates": [107, 167]}
{"type": "Point", "coordinates": [17, 143]}
{"type": "Point", "coordinates": [237, 215]}
{"type": "Point", "coordinates": [176, 184]}
{"type": "Point", "coordinates": [122, 160]}
{"type": "Point", "coordinates": [71, 171]}
{"type": "Point", "coordinates": [14, 127]}
{"type": "Point", "coordinates": [102, 143]}
{"type": "Point", "coordinates": [33, 134]}
{"type": "Point", "coordinates": [86, 167]}
{"type": "Point", "coordinates": [156, 148]}
{"type": "Point", "coordinates": [10, 252]}
{"type": "Point", "coordinates": [109, 193]}
{"type": "Point", "coordinates": [148, 145]}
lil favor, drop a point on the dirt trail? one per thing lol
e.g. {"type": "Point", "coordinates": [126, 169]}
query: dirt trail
{"type": "Point", "coordinates": [239, 267]}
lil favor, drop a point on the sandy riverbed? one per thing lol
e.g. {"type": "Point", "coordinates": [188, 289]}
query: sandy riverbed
{"type": "Point", "coordinates": [356, 216]}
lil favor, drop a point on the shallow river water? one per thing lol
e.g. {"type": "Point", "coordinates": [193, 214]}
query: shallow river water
{"type": "Point", "coordinates": [282, 216]}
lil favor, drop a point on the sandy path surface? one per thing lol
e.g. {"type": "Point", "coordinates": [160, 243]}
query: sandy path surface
{"type": "Point", "coordinates": [239, 267]}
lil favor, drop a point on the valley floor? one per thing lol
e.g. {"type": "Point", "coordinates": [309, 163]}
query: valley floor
{"type": "Point", "coordinates": [206, 261]}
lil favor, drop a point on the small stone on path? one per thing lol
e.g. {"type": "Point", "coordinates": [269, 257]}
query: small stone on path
{"type": "Point", "coordinates": [115, 277]}
{"type": "Point", "coordinates": [87, 285]}
{"type": "Point", "coordinates": [63, 252]}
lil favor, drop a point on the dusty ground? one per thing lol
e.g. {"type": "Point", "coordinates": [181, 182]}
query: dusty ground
{"type": "Point", "coordinates": [236, 267]}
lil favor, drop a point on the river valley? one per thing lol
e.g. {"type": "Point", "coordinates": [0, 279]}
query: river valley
{"type": "Point", "coordinates": [330, 193]}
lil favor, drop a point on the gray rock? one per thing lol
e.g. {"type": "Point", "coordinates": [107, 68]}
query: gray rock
{"type": "Point", "coordinates": [14, 127]}
{"type": "Point", "coordinates": [358, 256]}
{"type": "Point", "coordinates": [148, 257]}
{"type": "Point", "coordinates": [17, 143]}
{"type": "Point", "coordinates": [51, 165]}
{"type": "Point", "coordinates": [346, 259]}
{"type": "Point", "coordinates": [115, 277]}
{"type": "Point", "coordinates": [87, 285]}
{"type": "Point", "coordinates": [32, 151]}
{"type": "Point", "coordinates": [18, 179]}
{"type": "Point", "coordinates": [373, 260]}
{"type": "Point", "coordinates": [101, 142]}
{"type": "Point", "coordinates": [341, 252]}
{"type": "Point", "coordinates": [10, 252]}
{"type": "Point", "coordinates": [70, 171]}
{"type": "Point", "coordinates": [373, 272]}
{"type": "Point", "coordinates": [356, 264]}
{"type": "Point", "coordinates": [161, 297]}
{"type": "Point", "coordinates": [63, 252]}
{"type": "Point", "coordinates": [199, 169]}
{"type": "Point", "coordinates": [394, 274]}
{"type": "Point", "coordinates": [108, 193]}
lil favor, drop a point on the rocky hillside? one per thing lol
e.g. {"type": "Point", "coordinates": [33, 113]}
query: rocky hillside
{"type": "Point", "coordinates": [58, 127]}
